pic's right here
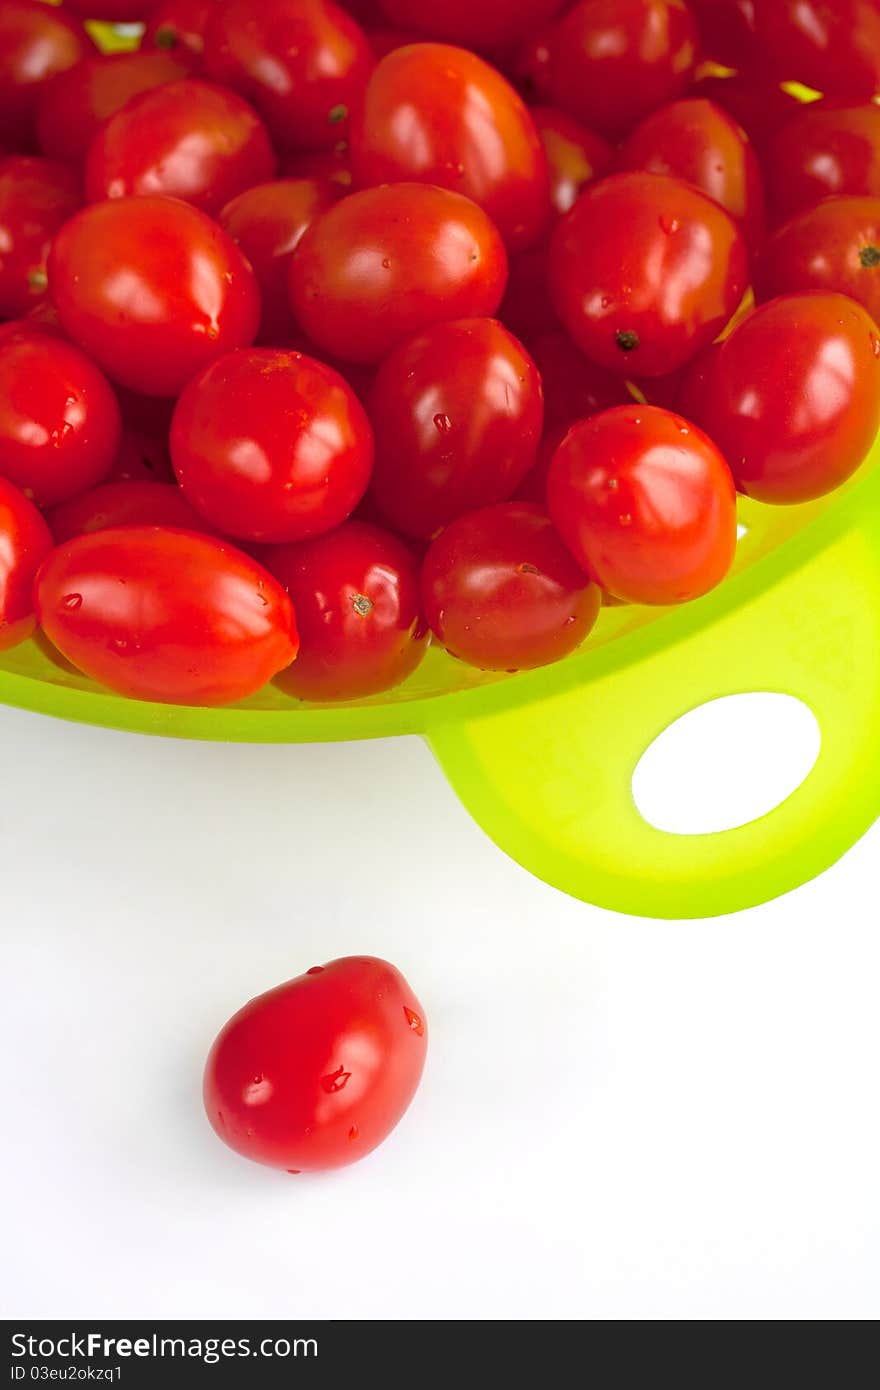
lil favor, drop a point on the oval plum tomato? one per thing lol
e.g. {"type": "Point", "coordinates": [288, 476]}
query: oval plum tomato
{"type": "Point", "coordinates": [188, 139]}
{"type": "Point", "coordinates": [646, 504]}
{"type": "Point", "coordinates": [388, 262]}
{"type": "Point", "coordinates": [833, 246]}
{"type": "Point", "coordinates": [121, 503]}
{"type": "Point", "coordinates": [304, 66]}
{"type": "Point", "coordinates": [824, 151]}
{"type": "Point", "coordinates": [36, 196]}
{"type": "Point", "coordinates": [316, 1073]}
{"type": "Point", "coordinates": [176, 25]}
{"type": "Point", "coordinates": [795, 423]}
{"type": "Point", "coordinates": [727, 30]}
{"type": "Point", "coordinates": [760, 108]}
{"type": "Point", "coordinates": [59, 420]}
{"type": "Point", "coordinates": [75, 104]}
{"type": "Point", "coordinates": [501, 591]}
{"type": "Point", "coordinates": [574, 387]}
{"type": "Point", "coordinates": [830, 45]}
{"type": "Point", "coordinates": [116, 11]}
{"type": "Point", "coordinates": [36, 41]}
{"type": "Point", "coordinates": [358, 609]}
{"type": "Point", "coordinates": [458, 414]}
{"type": "Point", "coordinates": [472, 23]}
{"type": "Point", "coordinates": [271, 446]}
{"type": "Point", "coordinates": [575, 155]}
{"type": "Point", "coordinates": [644, 271]}
{"type": "Point", "coordinates": [161, 614]}
{"type": "Point", "coordinates": [701, 143]}
{"type": "Point", "coordinates": [614, 61]}
{"type": "Point", "coordinates": [25, 541]}
{"type": "Point", "coordinates": [267, 222]}
{"type": "Point", "coordinates": [442, 116]}
{"type": "Point", "coordinates": [152, 289]}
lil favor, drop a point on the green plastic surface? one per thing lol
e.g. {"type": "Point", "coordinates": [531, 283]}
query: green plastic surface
{"type": "Point", "coordinates": [544, 760]}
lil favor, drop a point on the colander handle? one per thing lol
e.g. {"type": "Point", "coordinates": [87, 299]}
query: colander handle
{"type": "Point", "coordinates": [551, 781]}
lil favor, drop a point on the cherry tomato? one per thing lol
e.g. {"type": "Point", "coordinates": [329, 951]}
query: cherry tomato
{"type": "Point", "coordinates": [75, 103]}
{"type": "Point", "coordinates": [458, 414]}
{"type": "Point", "coordinates": [644, 271]}
{"type": "Point", "coordinates": [833, 246]}
{"type": "Point", "coordinates": [388, 262]}
{"type": "Point", "coordinates": [614, 61]}
{"type": "Point", "coordinates": [316, 1073]}
{"type": "Point", "coordinates": [121, 503]}
{"type": "Point", "coordinates": [472, 23]}
{"type": "Point", "coordinates": [574, 387]}
{"type": "Point", "coordinates": [826, 150]}
{"type": "Point", "coordinates": [188, 139]}
{"type": "Point", "coordinates": [59, 420]}
{"type": "Point", "coordinates": [501, 591]}
{"type": "Point", "coordinates": [161, 614]}
{"type": "Point", "coordinates": [25, 541]}
{"type": "Point", "coordinates": [646, 504]}
{"type": "Point", "coordinates": [118, 11]}
{"type": "Point", "coordinates": [304, 66]}
{"type": "Point", "coordinates": [358, 610]}
{"type": "Point", "coordinates": [699, 142]}
{"type": "Point", "coordinates": [830, 45]}
{"type": "Point", "coordinates": [761, 108]}
{"type": "Point", "coordinates": [153, 290]}
{"type": "Point", "coordinates": [271, 446]}
{"type": "Point", "coordinates": [179, 24]}
{"type": "Point", "coordinates": [36, 197]}
{"type": "Point", "coordinates": [795, 423]}
{"type": "Point", "coordinates": [35, 42]}
{"type": "Point", "coordinates": [442, 116]}
{"type": "Point", "coordinates": [267, 222]}
{"type": "Point", "coordinates": [727, 30]}
{"type": "Point", "coordinates": [576, 156]}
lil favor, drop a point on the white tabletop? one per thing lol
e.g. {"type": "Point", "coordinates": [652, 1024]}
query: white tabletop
{"type": "Point", "coordinates": [619, 1118]}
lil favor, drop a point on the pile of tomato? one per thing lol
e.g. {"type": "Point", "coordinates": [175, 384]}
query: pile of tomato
{"type": "Point", "coordinates": [332, 328]}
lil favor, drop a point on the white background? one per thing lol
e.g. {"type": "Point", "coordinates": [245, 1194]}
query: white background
{"type": "Point", "coordinates": [619, 1118]}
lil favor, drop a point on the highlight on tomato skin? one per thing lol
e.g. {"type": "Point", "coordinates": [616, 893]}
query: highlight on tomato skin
{"type": "Point", "coordinates": [25, 542]}
{"type": "Point", "coordinates": [316, 1073]}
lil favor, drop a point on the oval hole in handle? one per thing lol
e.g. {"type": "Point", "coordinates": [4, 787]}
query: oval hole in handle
{"type": "Point", "coordinates": [726, 763]}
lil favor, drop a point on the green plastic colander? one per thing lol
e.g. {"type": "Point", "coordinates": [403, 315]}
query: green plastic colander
{"type": "Point", "coordinates": [544, 760]}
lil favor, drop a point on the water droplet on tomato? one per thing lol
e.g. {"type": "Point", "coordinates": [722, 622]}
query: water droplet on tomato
{"type": "Point", "coordinates": [386, 264]}
{"type": "Point", "coordinates": [442, 424]}
{"type": "Point", "coordinates": [72, 602]}
{"type": "Point", "coordinates": [875, 345]}
{"type": "Point", "coordinates": [315, 970]}
{"type": "Point", "coordinates": [669, 225]}
{"type": "Point", "coordinates": [354, 1132]}
{"type": "Point", "coordinates": [296, 1171]}
{"type": "Point", "coordinates": [413, 1021]}
{"type": "Point", "coordinates": [335, 1080]}
{"type": "Point", "coordinates": [119, 645]}
{"type": "Point", "coordinates": [625, 519]}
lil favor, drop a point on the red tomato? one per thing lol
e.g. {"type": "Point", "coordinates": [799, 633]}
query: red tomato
{"type": "Point", "coordinates": [826, 150]}
{"type": "Point", "coordinates": [795, 424]}
{"type": "Point", "coordinates": [75, 104]}
{"type": "Point", "coordinates": [830, 45]}
{"type": "Point", "coordinates": [267, 222]}
{"type": "Point", "coordinates": [727, 30]}
{"type": "Point", "coordinates": [472, 23]}
{"type": "Point", "coordinates": [25, 541]}
{"type": "Point", "coordinates": [574, 387]}
{"type": "Point", "coordinates": [123, 503]}
{"type": "Point", "coordinates": [153, 290]}
{"type": "Point", "coordinates": [119, 11]}
{"type": "Point", "coordinates": [179, 24]}
{"type": "Point", "coordinates": [527, 65]}
{"type": "Point", "coordinates": [833, 246]}
{"type": "Point", "coordinates": [699, 142]}
{"type": "Point", "coordinates": [59, 421]}
{"type": "Point", "coordinates": [161, 614]}
{"type": "Point", "coordinates": [35, 43]}
{"type": "Point", "coordinates": [36, 196]}
{"type": "Point", "coordinates": [501, 591]}
{"type": "Point", "coordinates": [271, 446]}
{"type": "Point", "coordinates": [575, 155]}
{"type": "Point", "coordinates": [304, 66]}
{"type": "Point", "coordinates": [613, 61]}
{"type": "Point", "coordinates": [189, 140]}
{"type": "Point", "coordinates": [644, 271]}
{"type": "Point", "coordinates": [458, 414]}
{"type": "Point", "coordinates": [646, 504]}
{"type": "Point", "coordinates": [442, 116]}
{"type": "Point", "coordinates": [316, 1073]}
{"type": "Point", "coordinates": [761, 108]}
{"type": "Point", "coordinates": [389, 262]}
{"type": "Point", "coordinates": [358, 609]}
